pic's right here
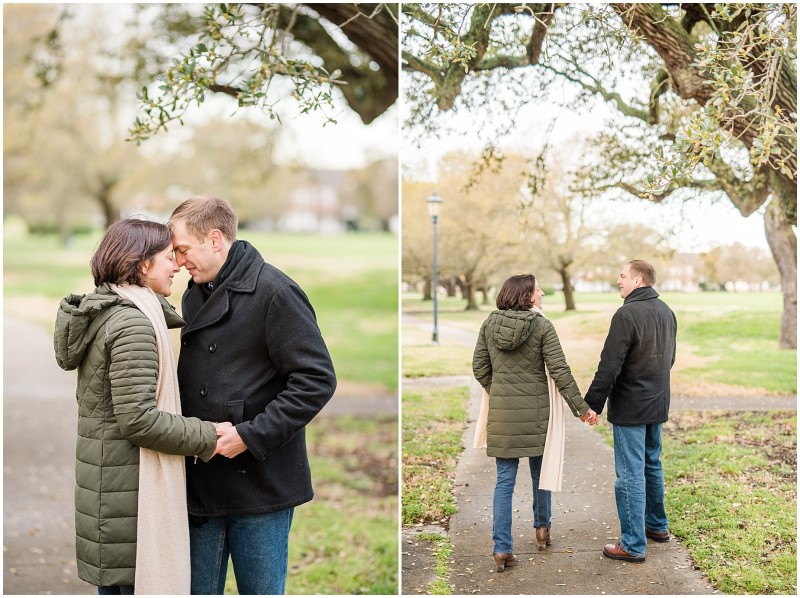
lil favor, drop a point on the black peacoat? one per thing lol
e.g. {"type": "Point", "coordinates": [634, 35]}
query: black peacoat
{"type": "Point", "coordinates": [252, 354]}
{"type": "Point", "coordinates": [635, 362]}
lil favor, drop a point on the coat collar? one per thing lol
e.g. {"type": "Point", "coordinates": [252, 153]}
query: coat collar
{"type": "Point", "coordinates": [640, 294]}
{"type": "Point", "coordinates": [242, 279]}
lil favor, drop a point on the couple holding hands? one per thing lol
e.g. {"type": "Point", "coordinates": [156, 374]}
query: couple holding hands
{"type": "Point", "coordinates": [519, 362]}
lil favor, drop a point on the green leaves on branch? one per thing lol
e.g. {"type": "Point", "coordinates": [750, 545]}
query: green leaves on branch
{"type": "Point", "coordinates": [240, 51]}
{"type": "Point", "coordinates": [745, 64]}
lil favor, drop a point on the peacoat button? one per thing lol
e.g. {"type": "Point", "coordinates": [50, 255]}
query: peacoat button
{"type": "Point", "coordinates": [212, 347]}
{"type": "Point", "coordinates": [186, 343]}
{"type": "Point", "coordinates": [203, 391]}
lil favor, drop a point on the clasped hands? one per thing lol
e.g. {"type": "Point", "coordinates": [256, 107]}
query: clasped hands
{"type": "Point", "coordinates": [590, 417]}
{"type": "Point", "coordinates": [229, 443]}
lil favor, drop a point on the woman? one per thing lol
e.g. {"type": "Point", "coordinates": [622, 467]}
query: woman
{"type": "Point", "coordinates": [130, 504]}
{"type": "Point", "coordinates": [516, 350]}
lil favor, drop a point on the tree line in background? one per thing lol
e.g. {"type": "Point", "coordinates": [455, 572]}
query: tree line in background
{"type": "Point", "coordinates": [75, 80]}
{"type": "Point", "coordinates": [497, 226]}
{"type": "Point", "coordinates": [713, 107]}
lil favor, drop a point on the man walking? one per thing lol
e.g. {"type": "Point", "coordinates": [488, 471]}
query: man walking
{"type": "Point", "coordinates": [634, 375]}
{"type": "Point", "coordinates": [252, 355]}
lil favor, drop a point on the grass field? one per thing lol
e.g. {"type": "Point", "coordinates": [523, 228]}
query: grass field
{"type": "Point", "coordinates": [345, 540]}
{"type": "Point", "coordinates": [727, 342]}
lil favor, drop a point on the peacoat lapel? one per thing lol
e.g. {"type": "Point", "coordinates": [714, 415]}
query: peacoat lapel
{"type": "Point", "coordinates": [243, 278]}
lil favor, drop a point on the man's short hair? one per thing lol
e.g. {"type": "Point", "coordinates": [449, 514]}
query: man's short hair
{"type": "Point", "coordinates": [203, 213]}
{"type": "Point", "coordinates": [645, 270]}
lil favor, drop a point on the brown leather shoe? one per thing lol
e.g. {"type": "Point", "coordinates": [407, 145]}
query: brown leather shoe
{"type": "Point", "coordinates": [614, 551]}
{"type": "Point", "coordinates": [542, 537]}
{"type": "Point", "coordinates": [656, 536]}
{"type": "Point", "coordinates": [503, 560]}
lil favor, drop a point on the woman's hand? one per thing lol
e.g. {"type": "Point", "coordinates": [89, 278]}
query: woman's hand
{"type": "Point", "coordinates": [590, 417]}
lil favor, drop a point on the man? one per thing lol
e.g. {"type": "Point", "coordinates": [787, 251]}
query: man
{"type": "Point", "coordinates": [252, 355]}
{"type": "Point", "coordinates": [634, 375]}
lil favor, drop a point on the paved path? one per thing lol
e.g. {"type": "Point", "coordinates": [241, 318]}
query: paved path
{"type": "Point", "coordinates": [39, 415]}
{"type": "Point", "coordinates": [584, 519]}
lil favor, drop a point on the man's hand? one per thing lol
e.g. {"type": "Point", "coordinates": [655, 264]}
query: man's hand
{"type": "Point", "coordinates": [590, 417]}
{"type": "Point", "coordinates": [229, 443]}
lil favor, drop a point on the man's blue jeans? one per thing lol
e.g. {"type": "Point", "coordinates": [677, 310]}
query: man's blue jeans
{"type": "Point", "coordinates": [503, 494]}
{"type": "Point", "coordinates": [639, 488]}
{"type": "Point", "coordinates": [257, 544]}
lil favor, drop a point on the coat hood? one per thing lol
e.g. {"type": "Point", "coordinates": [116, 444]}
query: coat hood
{"type": "Point", "coordinates": [73, 331]}
{"type": "Point", "coordinates": [511, 328]}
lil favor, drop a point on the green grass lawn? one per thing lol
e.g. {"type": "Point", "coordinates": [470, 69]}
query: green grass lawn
{"type": "Point", "coordinates": [433, 421]}
{"type": "Point", "coordinates": [731, 486]}
{"type": "Point", "coordinates": [727, 342]}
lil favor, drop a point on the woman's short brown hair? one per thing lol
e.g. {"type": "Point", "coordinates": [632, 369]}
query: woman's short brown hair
{"type": "Point", "coordinates": [202, 214]}
{"type": "Point", "coordinates": [126, 245]}
{"type": "Point", "coordinates": [517, 292]}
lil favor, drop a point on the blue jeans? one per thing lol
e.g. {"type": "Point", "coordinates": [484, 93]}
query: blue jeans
{"type": "Point", "coordinates": [115, 590]}
{"type": "Point", "coordinates": [504, 492]}
{"type": "Point", "coordinates": [639, 488]}
{"type": "Point", "coordinates": [257, 544]}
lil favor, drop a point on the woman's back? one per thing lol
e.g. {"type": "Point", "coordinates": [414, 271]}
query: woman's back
{"type": "Point", "coordinates": [514, 348]}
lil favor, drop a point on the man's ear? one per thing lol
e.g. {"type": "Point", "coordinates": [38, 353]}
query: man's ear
{"type": "Point", "coordinates": [216, 239]}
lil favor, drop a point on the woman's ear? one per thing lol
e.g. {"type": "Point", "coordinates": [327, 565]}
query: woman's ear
{"type": "Point", "coordinates": [144, 267]}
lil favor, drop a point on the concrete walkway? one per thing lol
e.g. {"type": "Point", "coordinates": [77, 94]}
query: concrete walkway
{"type": "Point", "coordinates": [584, 518]}
{"type": "Point", "coordinates": [39, 431]}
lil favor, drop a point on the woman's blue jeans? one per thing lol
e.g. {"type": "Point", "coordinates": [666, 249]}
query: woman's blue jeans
{"type": "Point", "coordinates": [639, 488]}
{"type": "Point", "coordinates": [115, 590]}
{"type": "Point", "coordinates": [503, 494]}
{"type": "Point", "coordinates": [257, 544]}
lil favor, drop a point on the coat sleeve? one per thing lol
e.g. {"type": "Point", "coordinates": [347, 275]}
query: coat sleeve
{"type": "Point", "coordinates": [481, 362]}
{"type": "Point", "coordinates": [133, 373]}
{"type": "Point", "coordinates": [298, 352]}
{"type": "Point", "coordinates": [556, 363]}
{"type": "Point", "coordinates": [612, 358]}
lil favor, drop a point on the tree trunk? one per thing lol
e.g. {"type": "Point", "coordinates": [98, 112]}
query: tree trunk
{"type": "Point", "coordinates": [469, 295]}
{"type": "Point", "coordinates": [451, 287]}
{"type": "Point", "coordinates": [783, 245]}
{"type": "Point", "coordinates": [485, 291]}
{"type": "Point", "coordinates": [569, 295]}
{"type": "Point", "coordinates": [426, 290]}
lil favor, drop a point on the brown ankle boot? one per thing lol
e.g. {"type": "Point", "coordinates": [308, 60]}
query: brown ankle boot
{"type": "Point", "coordinates": [542, 537]}
{"type": "Point", "coordinates": [503, 560]}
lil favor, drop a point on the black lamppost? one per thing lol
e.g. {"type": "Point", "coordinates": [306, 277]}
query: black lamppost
{"type": "Point", "coordinates": [434, 203]}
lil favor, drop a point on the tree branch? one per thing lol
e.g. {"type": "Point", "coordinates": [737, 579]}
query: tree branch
{"type": "Point", "coordinates": [417, 64]}
{"type": "Point", "coordinates": [609, 96]}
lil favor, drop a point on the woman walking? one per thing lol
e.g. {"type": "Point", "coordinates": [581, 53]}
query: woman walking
{"type": "Point", "coordinates": [130, 496]}
{"type": "Point", "coordinates": [517, 349]}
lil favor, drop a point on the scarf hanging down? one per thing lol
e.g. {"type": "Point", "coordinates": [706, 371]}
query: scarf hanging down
{"type": "Point", "coordinates": [553, 457]}
{"type": "Point", "coordinates": [162, 525]}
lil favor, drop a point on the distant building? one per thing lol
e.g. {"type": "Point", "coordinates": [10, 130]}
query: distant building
{"type": "Point", "coordinates": [682, 273]}
{"type": "Point", "coordinates": [315, 207]}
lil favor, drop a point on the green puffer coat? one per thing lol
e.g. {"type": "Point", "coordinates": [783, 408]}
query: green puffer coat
{"type": "Point", "coordinates": [113, 346]}
{"type": "Point", "coordinates": [509, 362]}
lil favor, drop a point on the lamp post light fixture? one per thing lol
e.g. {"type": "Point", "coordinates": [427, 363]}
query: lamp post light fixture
{"type": "Point", "coordinates": [434, 203]}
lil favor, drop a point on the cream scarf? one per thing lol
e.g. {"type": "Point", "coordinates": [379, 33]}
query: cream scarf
{"type": "Point", "coordinates": [553, 457]}
{"type": "Point", "coordinates": [162, 529]}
